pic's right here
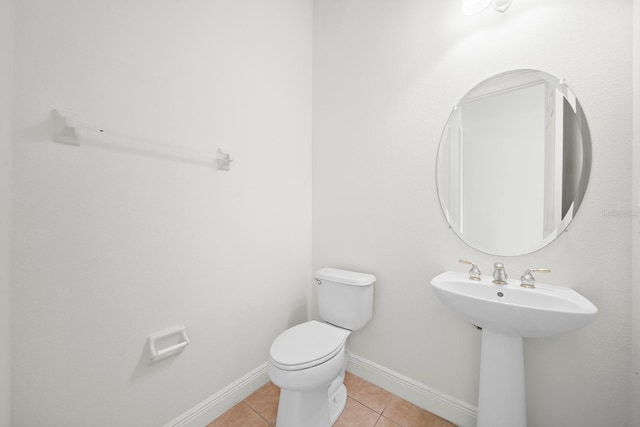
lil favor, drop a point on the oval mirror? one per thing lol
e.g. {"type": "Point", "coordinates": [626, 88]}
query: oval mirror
{"type": "Point", "coordinates": [514, 162]}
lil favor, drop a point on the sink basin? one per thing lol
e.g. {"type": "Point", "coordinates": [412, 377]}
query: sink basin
{"type": "Point", "coordinates": [543, 311]}
{"type": "Point", "coordinates": [507, 314]}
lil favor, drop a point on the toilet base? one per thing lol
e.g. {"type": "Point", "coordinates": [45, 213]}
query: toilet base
{"type": "Point", "coordinates": [337, 402]}
{"type": "Point", "coordinates": [309, 409]}
{"type": "Point", "coordinates": [304, 408]}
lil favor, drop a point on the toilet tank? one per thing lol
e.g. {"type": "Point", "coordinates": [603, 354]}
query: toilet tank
{"type": "Point", "coordinates": [345, 298]}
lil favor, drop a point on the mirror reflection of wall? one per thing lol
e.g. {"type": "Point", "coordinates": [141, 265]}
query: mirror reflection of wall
{"type": "Point", "coordinates": [513, 163]}
{"type": "Point", "coordinates": [496, 130]}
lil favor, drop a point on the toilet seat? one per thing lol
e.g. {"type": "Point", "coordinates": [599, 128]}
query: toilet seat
{"type": "Point", "coordinates": [306, 345]}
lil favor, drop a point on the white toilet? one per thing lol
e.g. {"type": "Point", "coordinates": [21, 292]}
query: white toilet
{"type": "Point", "coordinates": [308, 361]}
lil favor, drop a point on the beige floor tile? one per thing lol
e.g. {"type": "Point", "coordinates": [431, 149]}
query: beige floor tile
{"type": "Point", "coordinates": [240, 415]}
{"type": "Point", "coordinates": [409, 415]}
{"type": "Point", "coordinates": [385, 422]}
{"type": "Point", "coordinates": [366, 393]}
{"type": "Point", "coordinates": [265, 401]}
{"type": "Point", "coordinates": [364, 404]}
{"type": "Point", "coordinates": [355, 414]}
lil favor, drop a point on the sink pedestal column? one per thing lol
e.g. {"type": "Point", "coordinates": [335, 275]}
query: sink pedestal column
{"type": "Point", "coordinates": [501, 400]}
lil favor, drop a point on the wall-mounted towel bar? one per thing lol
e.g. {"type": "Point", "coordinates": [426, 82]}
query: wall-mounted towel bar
{"type": "Point", "coordinates": [68, 129]}
{"type": "Point", "coordinates": [177, 333]}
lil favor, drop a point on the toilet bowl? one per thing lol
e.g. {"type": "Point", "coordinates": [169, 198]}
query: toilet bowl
{"type": "Point", "coordinates": [308, 361]}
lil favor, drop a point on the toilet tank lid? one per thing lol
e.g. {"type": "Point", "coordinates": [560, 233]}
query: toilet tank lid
{"type": "Point", "coordinates": [345, 276]}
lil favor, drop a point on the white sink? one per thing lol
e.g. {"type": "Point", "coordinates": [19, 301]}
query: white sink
{"type": "Point", "coordinates": [543, 311]}
{"type": "Point", "coordinates": [506, 314]}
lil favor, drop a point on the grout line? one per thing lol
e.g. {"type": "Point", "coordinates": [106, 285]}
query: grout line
{"type": "Point", "coordinates": [387, 405]}
{"type": "Point", "coordinates": [368, 407]}
{"type": "Point", "coordinates": [363, 404]}
{"type": "Point", "coordinates": [256, 412]}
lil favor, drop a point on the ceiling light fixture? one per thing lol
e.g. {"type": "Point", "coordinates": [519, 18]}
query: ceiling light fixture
{"type": "Point", "coordinates": [473, 7]}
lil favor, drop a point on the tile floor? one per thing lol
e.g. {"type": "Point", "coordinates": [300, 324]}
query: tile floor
{"type": "Point", "coordinates": [367, 406]}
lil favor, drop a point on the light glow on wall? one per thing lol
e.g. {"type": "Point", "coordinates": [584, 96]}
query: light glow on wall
{"type": "Point", "coordinates": [473, 7]}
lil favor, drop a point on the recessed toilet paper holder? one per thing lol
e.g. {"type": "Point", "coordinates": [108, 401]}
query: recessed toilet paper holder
{"type": "Point", "coordinates": [163, 337]}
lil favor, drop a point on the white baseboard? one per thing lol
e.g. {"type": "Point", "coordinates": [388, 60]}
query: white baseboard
{"type": "Point", "coordinates": [222, 401]}
{"type": "Point", "coordinates": [448, 407]}
{"type": "Point", "coordinates": [458, 412]}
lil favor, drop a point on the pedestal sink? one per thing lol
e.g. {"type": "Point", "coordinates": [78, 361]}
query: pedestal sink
{"type": "Point", "coordinates": [506, 314]}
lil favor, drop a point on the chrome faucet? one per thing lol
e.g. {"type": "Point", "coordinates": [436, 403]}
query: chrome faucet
{"type": "Point", "coordinates": [499, 275]}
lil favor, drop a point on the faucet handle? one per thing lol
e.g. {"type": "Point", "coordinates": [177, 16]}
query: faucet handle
{"type": "Point", "coordinates": [474, 273]}
{"type": "Point", "coordinates": [527, 279]}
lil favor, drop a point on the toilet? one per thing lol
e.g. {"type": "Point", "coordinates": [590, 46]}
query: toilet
{"type": "Point", "coordinates": [308, 361]}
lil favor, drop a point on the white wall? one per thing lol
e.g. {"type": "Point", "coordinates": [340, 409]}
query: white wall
{"type": "Point", "coordinates": [112, 245]}
{"type": "Point", "coordinates": [635, 208]}
{"type": "Point", "coordinates": [6, 100]}
{"type": "Point", "coordinates": [386, 74]}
